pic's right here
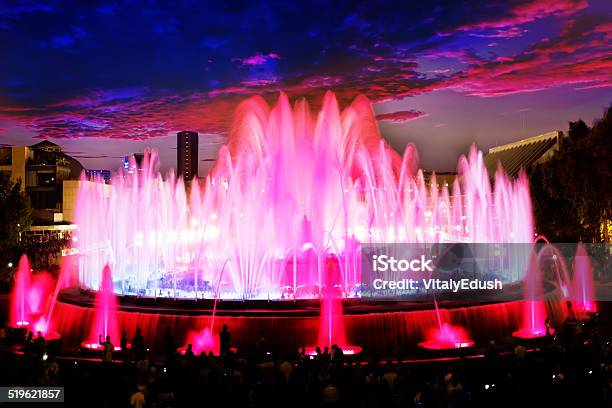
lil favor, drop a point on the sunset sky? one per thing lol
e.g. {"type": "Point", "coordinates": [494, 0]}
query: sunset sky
{"type": "Point", "coordinates": [104, 79]}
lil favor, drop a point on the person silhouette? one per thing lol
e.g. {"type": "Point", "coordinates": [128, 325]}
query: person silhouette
{"type": "Point", "coordinates": [225, 338]}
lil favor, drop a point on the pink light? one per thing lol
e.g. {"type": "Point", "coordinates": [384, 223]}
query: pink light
{"type": "Point", "coordinates": [583, 292]}
{"type": "Point", "coordinates": [346, 350]}
{"type": "Point", "coordinates": [447, 337]}
{"type": "Point", "coordinates": [202, 341]}
{"type": "Point", "coordinates": [89, 345]}
{"type": "Point", "coordinates": [19, 297]}
{"type": "Point", "coordinates": [105, 321]}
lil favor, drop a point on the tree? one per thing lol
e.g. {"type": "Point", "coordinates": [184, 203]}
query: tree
{"type": "Point", "coordinates": [15, 210]}
{"type": "Point", "coordinates": [15, 218]}
{"type": "Point", "coordinates": [572, 192]}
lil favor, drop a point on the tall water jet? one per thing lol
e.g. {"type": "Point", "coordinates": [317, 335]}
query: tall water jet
{"type": "Point", "coordinates": [105, 311]}
{"type": "Point", "coordinates": [20, 311]}
{"type": "Point", "coordinates": [39, 300]}
{"type": "Point", "coordinates": [533, 324]}
{"type": "Point", "coordinates": [583, 292]}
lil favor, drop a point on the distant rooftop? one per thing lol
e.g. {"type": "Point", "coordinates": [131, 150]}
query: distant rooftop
{"type": "Point", "coordinates": [48, 146]}
{"type": "Point", "coordinates": [522, 154]}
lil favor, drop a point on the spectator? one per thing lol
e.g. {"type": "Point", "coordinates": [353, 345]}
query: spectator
{"type": "Point", "coordinates": [108, 348]}
{"type": "Point", "coordinates": [138, 346]}
{"type": "Point", "coordinates": [41, 345]}
{"type": "Point", "coordinates": [137, 400]}
{"type": "Point", "coordinates": [331, 395]}
{"type": "Point", "coordinates": [189, 352]}
{"type": "Point", "coordinates": [337, 355]}
{"type": "Point", "coordinates": [225, 338]}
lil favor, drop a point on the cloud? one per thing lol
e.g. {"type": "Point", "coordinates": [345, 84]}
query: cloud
{"type": "Point", "coordinates": [400, 116]}
{"type": "Point", "coordinates": [214, 43]}
{"type": "Point", "coordinates": [579, 56]}
{"type": "Point", "coordinates": [257, 59]}
{"type": "Point", "coordinates": [526, 13]}
{"type": "Point", "coordinates": [376, 54]}
{"type": "Point", "coordinates": [67, 39]}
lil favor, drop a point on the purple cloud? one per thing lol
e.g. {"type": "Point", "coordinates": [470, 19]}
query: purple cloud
{"type": "Point", "coordinates": [257, 59]}
{"type": "Point", "coordinates": [401, 116]}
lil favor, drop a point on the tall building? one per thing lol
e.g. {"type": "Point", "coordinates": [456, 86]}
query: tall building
{"type": "Point", "coordinates": [187, 155]}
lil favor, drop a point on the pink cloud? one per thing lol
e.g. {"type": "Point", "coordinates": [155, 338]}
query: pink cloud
{"type": "Point", "coordinates": [531, 11]}
{"type": "Point", "coordinates": [400, 116]}
{"type": "Point", "coordinates": [579, 56]}
{"type": "Point", "coordinates": [257, 59]}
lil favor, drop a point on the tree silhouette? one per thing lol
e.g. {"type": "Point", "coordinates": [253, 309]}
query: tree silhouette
{"type": "Point", "coordinates": [572, 192]}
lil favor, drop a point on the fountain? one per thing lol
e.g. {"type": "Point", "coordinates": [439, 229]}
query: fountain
{"type": "Point", "coordinates": [105, 320]}
{"type": "Point", "coordinates": [445, 336]}
{"type": "Point", "coordinates": [20, 311]}
{"type": "Point", "coordinates": [288, 192]}
{"type": "Point", "coordinates": [583, 292]}
{"type": "Point", "coordinates": [534, 308]}
{"type": "Point", "coordinates": [201, 341]}
{"type": "Point", "coordinates": [286, 187]}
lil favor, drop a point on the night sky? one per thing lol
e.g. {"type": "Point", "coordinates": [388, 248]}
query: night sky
{"type": "Point", "coordinates": [104, 79]}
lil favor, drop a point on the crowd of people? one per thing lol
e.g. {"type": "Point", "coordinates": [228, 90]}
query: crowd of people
{"type": "Point", "coordinates": [571, 369]}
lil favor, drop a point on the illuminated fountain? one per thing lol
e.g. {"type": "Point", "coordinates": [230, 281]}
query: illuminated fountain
{"type": "Point", "coordinates": [583, 292]}
{"type": "Point", "coordinates": [289, 191]}
{"type": "Point", "coordinates": [105, 320]}
{"type": "Point", "coordinates": [20, 311]}
{"type": "Point", "coordinates": [30, 300]}
{"type": "Point", "coordinates": [287, 188]}
{"type": "Point", "coordinates": [534, 307]}
{"type": "Point", "coordinates": [446, 336]}
{"type": "Point", "coordinates": [201, 341]}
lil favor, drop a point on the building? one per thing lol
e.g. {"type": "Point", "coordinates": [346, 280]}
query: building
{"type": "Point", "coordinates": [94, 174]}
{"type": "Point", "coordinates": [42, 169]}
{"type": "Point", "coordinates": [513, 157]}
{"type": "Point", "coordinates": [522, 154]}
{"type": "Point", "coordinates": [187, 155]}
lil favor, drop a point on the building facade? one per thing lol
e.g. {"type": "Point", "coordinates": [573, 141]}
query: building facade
{"type": "Point", "coordinates": [187, 155]}
{"type": "Point", "coordinates": [42, 169]}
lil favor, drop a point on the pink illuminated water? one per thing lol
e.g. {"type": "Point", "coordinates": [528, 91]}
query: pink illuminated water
{"type": "Point", "coordinates": [291, 189]}
{"type": "Point", "coordinates": [201, 341]}
{"type": "Point", "coordinates": [583, 292]}
{"type": "Point", "coordinates": [20, 311]}
{"type": "Point", "coordinates": [39, 292]}
{"type": "Point", "coordinates": [105, 321]}
{"type": "Point", "coordinates": [447, 337]}
{"type": "Point", "coordinates": [534, 307]}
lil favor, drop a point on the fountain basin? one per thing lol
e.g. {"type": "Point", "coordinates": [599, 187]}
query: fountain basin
{"type": "Point", "coordinates": [527, 333]}
{"type": "Point", "coordinates": [286, 325]}
{"type": "Point", "coordinates": [347, 350]}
